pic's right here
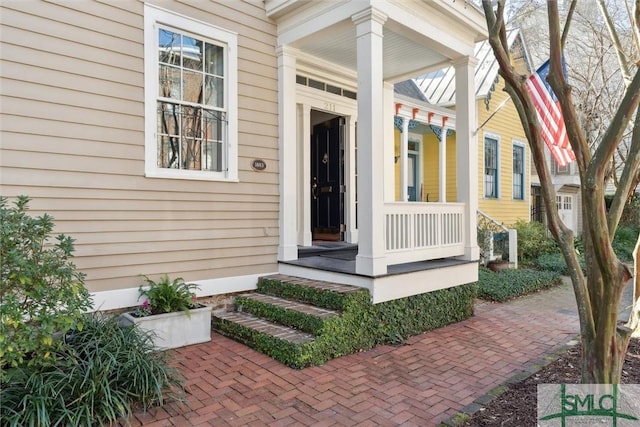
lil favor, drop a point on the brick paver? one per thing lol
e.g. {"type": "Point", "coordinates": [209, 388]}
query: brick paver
{"type": "Point", "coordinates": [422, 382]}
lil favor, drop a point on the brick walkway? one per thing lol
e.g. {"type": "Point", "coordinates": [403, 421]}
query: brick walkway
{"type": "Point", "coordinates": [422, 383]}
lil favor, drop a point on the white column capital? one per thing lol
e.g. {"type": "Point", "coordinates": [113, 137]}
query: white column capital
{"type": "Point", "coordinates": [470, 61]}
{"type": "Point", "coordinates": [371, 16]}
{"type": "Point", "coordinates": [286, 51]}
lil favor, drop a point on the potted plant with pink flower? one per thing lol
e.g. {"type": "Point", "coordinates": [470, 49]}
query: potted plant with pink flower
{"type": "Point", "coordinates": [170, 311]}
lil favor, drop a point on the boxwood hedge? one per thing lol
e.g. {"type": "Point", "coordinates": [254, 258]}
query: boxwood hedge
{"type": "Point", "coordinates": [506, 284]}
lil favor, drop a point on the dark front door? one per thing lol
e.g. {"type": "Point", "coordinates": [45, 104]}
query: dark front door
{"type": "Point", "coordinates": [327, 168]}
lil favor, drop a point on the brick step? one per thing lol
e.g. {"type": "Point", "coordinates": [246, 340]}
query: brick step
{"type": "Point", "coordinates": [295, 314]}
{"type": "Point", "coordinates": [286, 319]}
{"type": "Point", "coordinates": [323, 294]}
{"type": "Point", "coordinates": [255, 325]}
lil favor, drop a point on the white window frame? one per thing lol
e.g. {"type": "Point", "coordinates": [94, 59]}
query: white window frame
{"type": "Point", "coordinates": [154, 18]}
{"type": "Point", "coordinates": [417, 140]}
{"type": "Point", "coordinates": [496, 137]}
{"type": "Point", "coordinates": [523, 146]}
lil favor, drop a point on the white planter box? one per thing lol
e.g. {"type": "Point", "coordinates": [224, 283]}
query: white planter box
{"type": "Point", "coordinates": [174, 329]}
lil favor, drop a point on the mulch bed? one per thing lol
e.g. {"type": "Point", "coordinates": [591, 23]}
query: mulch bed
{"type": "Point", "coordinates": [517, 406]}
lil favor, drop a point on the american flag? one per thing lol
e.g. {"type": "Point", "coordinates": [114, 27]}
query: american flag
{"type": "Point", "coordinates": [550, 116]}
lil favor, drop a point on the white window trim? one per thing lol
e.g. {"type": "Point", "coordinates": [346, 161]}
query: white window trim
{"type": "Point", "coordinates": [417, 139]}
{"type": "Point", "coordinates": [495, 136]}
{"type": "Point", "coordinates": [153, 17]}
{"type": "Point", "coordinates": [516, 143]}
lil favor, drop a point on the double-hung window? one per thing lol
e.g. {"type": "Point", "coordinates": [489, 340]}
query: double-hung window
{"type": "Point", "coordinates": [190, 98]}
{"type": "Point", "coordinates": [490, 167]}
{"type": "Point", "coordinates": [518, 172]}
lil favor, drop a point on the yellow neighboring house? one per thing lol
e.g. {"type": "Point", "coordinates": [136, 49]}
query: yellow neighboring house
{"type": "Point", "coordinates": [503, 153]}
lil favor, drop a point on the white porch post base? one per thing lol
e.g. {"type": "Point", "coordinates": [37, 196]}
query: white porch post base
{"type": "Point", "coordinates": [371, 266]}
{"type": "Point", "coordinates": [287, 253]}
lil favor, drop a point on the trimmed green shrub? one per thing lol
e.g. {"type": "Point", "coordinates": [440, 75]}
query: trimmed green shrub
{"type": "Point", "coordinates": [101, 371]}
{"type": "Point", "coordinates": [510, 283]}
{"type": "Point", "coordinates": [42, 294]}
{"type": "Point", "coordinates": [532, 241]}
{"type": "Point", "coordinates": [555, 262]}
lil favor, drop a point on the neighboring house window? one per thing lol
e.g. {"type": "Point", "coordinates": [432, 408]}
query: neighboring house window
{"type": "Point", "coordinates": [559, 202]}
{"type": "Point", "coordinates": [561, 170]}
{"type": "Point", "coordinates": [518, 172]}
{"type": "Point", "coordinates": [490, 167]}
{"type": "Point", "coordinates": [190, 98]}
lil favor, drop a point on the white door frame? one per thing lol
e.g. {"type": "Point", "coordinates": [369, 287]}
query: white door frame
{"type": "Point", "coordinates": [308, 99]}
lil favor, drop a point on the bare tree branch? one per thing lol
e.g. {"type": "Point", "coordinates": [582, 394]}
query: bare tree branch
{"type": "Point", "coordinates": [628, 179]}
{"type": "Point", "coordinates": [622, 60]}
{"type": "Point", "coordinates": [567, 24]}
{"type": "Point", "coordinates": [616, 129]}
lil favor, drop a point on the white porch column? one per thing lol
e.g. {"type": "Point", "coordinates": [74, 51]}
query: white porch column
{"type": "Point", "coordinates": [287, 247]}
{"type": "Point", "coordinates": [371, 245]}
{"type": "Point", "coordinates": [304, 178]}
{"type": "Point", "coordinates": [443, 166]}
{"type": "Point", "coordinates": [467, 153]}
{"type": "Point", "coordinates": [404, 154]}
{"type": "Point", "coordinates": [389, 143]}
{"type": "Point", "coordinates": [350, 181]}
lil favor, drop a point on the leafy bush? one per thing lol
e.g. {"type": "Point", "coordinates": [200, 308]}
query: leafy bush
{"type": "Point", "coordinates": [624, 242]}
{"type": "Point", "coordinates": [167, 296]}
{"type": "Point", "coordinates": [532, 241]}
{"type": "Point", "coordinates": [555, 262]}
{"type": "Point", "coordinates": [42, 294]}
{"type": "Point", "coordinates": [100, 372]}
{"type": "Point", "coordinates": [507, 284]}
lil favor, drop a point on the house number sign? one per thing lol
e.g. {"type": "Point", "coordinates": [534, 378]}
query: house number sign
{"type": "Point", "coordinates": [259, 164]}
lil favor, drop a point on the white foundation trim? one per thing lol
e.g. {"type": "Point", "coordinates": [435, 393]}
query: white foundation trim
{"type": "Point", "coordinates": [129, 297]}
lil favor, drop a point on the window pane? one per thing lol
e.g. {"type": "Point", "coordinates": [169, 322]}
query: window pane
{"type": "Point", "coordinates": [168, 135]}
{"type": "Point", "coordinates": [168, 119]}
{"type": "Point", "coordinates": [192, 53]}
{"type": "Point", "coordinates": [212, 156]}
{"type": "Point", "coordinates": [213, 122]}
{"type": "Point", "coordinates": [169, 47]}
{"type": "Point", "coordinates": [214, 59]}
{"type": "Point", "coordinates": [191, 153]}
{"type": "Point", "coordinates": [214, 92]}
{"type": "Point", "coordinates": [192, 83]}
{"type": "Point", "coordinates": [517, 160]}
{"type": "Point", "coordinates": [169, 82]}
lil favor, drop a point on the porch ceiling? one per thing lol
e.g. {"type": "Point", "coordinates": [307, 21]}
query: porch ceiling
{"type": "Point", "coordinates": [402, 56]}
{"type": "Point", "coordinates": [419, 36]}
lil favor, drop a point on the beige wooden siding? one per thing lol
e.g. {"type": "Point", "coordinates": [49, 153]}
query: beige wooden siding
{"type": "Point", "coordinates": [505, 124]}
{"type": "Point", "coordinates": [73, 140]}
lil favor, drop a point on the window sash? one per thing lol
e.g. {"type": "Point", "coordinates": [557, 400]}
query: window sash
{"type": "Point", "coordinates": [518, 172]}
{"type": "Point", "coordinates": [491, 168]}
{"type": "Point", "coordinates": [202, 73]}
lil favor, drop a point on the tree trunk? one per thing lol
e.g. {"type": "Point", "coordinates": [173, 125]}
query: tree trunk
{"type": "Point", "coordinates": [603, 354]}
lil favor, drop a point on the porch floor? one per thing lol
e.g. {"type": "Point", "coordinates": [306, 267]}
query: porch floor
{"type": "Point", "coordinates": [340, 257]}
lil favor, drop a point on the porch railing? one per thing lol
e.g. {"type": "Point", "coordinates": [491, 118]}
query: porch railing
{"type": "Point", "coordinates": [423, 231]}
